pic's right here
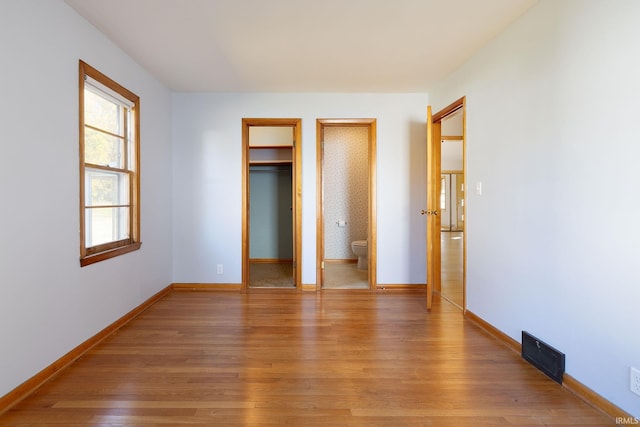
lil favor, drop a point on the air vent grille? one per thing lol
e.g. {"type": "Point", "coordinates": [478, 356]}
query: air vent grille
{"type": "Point", "coordinates": [543, 356]}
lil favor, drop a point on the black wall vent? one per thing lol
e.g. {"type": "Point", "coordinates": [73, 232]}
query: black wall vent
{"type": "Point", "coordinates": [543, 356]}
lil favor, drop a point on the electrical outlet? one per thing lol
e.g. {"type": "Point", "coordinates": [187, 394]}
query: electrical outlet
{"type": "Point", "coordinates": [635, 381]}
{"type": "Point", "coordinates": [220, 269]}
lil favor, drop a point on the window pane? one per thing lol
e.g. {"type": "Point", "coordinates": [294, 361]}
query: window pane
{"type": "Point", "coordinates": [131, 138]}
{"type": "Point", "coordinates": [104, 225]}
{"type": "Point", "coordinates": [102, 113]}
{"type": "Point", "coordinates": [443, 193]}
{"type": "Point", "coordinates": [103, 149]}
{"type": "Point", "coordinates": [106, 188]}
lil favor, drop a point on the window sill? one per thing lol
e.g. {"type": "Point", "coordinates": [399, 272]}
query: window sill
{"type": "Point", "coordinates": [101, 256]}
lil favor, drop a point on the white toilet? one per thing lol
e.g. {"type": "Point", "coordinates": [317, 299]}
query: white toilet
{"type": "Point", "coordinates": [359, 247]}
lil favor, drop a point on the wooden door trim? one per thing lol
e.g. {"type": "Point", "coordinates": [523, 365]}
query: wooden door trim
{"type": "Point", "coordinates": [433, 182]}
{"type": "Point", "coordinates": [372, 208]}
{"type": "Point", "coordinates": [296, 124]}
{"type": "Point", "coordinates": [450, 109]}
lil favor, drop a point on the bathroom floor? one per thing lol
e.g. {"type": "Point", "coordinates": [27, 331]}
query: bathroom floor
{"type": "Point", "coordinates": [345, 276]}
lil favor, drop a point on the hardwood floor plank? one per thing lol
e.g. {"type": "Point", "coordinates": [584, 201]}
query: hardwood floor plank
{"type": "Point", "coordinates": [302, 359]}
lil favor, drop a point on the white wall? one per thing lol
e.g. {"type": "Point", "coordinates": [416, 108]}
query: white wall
{"type": "Point", "coordinates": [552, 126]}
{"type": "Point", "coordinates": [208, 170]}
{"type": "Point", "coordinates": [451, 155]}
{"type": "Point", "coordinates": [48, 304]}
{"type": "Point", "coordinates": [271, 136]}
{"type": "Point", "coordinates": [452, 125]}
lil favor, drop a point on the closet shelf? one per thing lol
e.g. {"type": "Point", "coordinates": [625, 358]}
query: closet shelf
{"type": "Point", "coordinates": [270, 162]}
{"type": "Point", "coordinates": [271, 147]}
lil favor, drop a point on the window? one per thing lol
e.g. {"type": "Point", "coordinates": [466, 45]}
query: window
{"type": "Point", "coordinates": [109, 168]}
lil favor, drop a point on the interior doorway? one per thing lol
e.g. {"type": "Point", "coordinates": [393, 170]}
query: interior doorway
{"type": "Point", "coordinates": [346, 208]}
{"type": "Point", "coordinates": [446, 208]}
{"type": "Point", "coordinates": [271, 214]}
{"type": "Point", "coordinates": [452, 202]}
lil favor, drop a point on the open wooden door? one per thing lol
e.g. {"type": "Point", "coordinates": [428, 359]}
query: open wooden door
{"type": "Point", "coordinates": [433, 206]}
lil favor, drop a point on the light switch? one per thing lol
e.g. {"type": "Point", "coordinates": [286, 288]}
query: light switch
{"type": "Point", "coordinates": [479, 188]}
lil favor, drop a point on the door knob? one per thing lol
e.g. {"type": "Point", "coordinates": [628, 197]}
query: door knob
{"type": "Point", "coordinates": [423, 212]}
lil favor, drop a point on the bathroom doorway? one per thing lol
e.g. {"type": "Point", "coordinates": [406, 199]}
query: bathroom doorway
{"type": "Point", "coordinates": [271, 214]}
{"type": "Point", "coordinates": [346, 208]}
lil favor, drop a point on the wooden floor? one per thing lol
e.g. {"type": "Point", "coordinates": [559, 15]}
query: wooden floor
{"type": "Point", "coordinates": [286, 358]}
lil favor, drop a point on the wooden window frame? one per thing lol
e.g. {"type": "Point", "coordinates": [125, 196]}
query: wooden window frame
{"type": "Point", "coordinates": [131, 167]}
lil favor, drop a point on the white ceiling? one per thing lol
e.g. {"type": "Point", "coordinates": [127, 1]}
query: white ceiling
{"type": "Point", "coordinates": [300, 45]}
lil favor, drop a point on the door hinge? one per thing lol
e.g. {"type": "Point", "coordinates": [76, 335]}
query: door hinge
{"type": "Point", "coordinates": [322, 265]}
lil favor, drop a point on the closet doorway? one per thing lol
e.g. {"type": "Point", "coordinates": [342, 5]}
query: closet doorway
{"type": "Point", "coordinates": [271, 199]}
{"type": "Point", "coordinates": [346, 208]}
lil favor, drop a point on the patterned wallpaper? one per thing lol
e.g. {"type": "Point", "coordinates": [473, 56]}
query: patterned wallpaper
{"type": "Point", "coordinates": [346, 198]}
